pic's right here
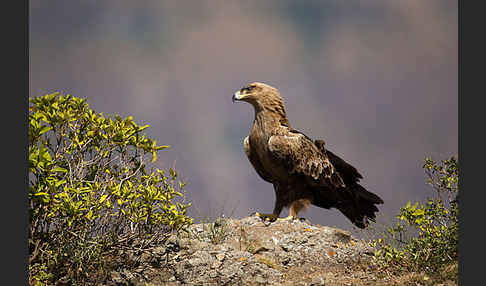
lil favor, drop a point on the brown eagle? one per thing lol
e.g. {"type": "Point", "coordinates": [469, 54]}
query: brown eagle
{"type": "Point", "coordinates": [301, 170]}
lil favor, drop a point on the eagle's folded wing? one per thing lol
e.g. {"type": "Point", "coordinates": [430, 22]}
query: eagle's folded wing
{"type": "Point", "coordinates": [298, 154]}
{"type": "Point", "coordinates": [349, 173]}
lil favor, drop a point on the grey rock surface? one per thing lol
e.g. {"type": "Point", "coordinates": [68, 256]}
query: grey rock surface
{"type": "Point", "coordinates": [250, 252]}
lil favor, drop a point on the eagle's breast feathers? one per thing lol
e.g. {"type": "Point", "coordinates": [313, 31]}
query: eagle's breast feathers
{"type": "Point", "coordinates": [255, 162]}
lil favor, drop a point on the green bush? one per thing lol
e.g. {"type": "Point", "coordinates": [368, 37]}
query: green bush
{"type": "Point", "coordinates": [434, 225]}
{"type": "Point", "coordinates": [90, 193]}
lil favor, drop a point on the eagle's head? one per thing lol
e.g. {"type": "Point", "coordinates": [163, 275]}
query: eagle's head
{"type": "Point", "coordinates": [263, 97]}
{"type": "Point", "coordinates": [258, 94]}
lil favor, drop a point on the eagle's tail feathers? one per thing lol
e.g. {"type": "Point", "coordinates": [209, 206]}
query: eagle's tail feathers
{"type": "Point", "coordinates": [355, 202]}
{"type": "Point", "coordinates": [366, 195]}
{"type": "Point", "coordinates": [360, 207]}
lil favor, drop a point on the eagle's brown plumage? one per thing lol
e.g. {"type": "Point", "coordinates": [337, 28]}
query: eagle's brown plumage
{"type": "Point", "coordinates": [301, 170]}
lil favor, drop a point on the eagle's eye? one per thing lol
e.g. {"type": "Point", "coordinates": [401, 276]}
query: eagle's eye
{"type": "Point", "coordinates": [250, 88]}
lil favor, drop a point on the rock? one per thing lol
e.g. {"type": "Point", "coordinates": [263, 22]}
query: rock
{"type": "Point", "coordinates": [286, 247]}
{"type": "Point", "coordinates": [260, 280]}
{"type": "Point", "coordinates": [318, 281]}
{"type": "Point", "coordinates": [263, 246]}
{"type": "Point", "coordinates": [194, 262]}
{"type": "Point", "coordinates": [216, 264]}
{"type": "Point", "coordinates": [173, 243]}
{"type": "Point", "coordinates": [252, 253]}
{"type": "Point", "coordinates": [159, 251]}
{"type": "Point", "coordinates": [127, 274]}
{"type": "Point", "coordinates": [220, 256]}
{"type": "Point", "coordinates": [116, 277]}
{"type": "Point", "coordinates": [145, 257]}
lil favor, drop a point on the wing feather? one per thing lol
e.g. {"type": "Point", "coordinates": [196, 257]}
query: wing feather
{"type": "Point", "coordinates": [348, 172]}
{"type": "Point", "coordinates": [298, 154]}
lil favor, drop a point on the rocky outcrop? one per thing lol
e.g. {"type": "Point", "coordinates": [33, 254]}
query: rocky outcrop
{"type": "Point", "coordinates": [252, 252]}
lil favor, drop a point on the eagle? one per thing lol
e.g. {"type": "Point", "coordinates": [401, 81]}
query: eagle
{"type": "Point", "coordinates": [302, 170]}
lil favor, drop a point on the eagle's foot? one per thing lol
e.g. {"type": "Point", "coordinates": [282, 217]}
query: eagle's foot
{"type": "Point", "coordinates": [267, 217]}
{"type": "Point", "coordinates": [290, 217]}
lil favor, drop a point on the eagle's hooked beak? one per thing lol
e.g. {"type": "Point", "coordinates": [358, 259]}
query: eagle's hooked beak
{"type": "Point", "coordinates": [236, 96]}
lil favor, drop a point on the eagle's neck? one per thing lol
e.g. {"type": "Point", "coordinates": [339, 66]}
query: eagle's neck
{"type": "Point", "coordinates": [269, 119]}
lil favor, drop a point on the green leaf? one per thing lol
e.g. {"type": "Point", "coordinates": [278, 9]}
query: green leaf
{"type": "Point", "coordinates": [59, 183]}
{"type": "Point", "coordinates": [44, 154]}
{"type": "Point", "coordinates": [44, 129]}
{"type": "Point", "coordinates": [141, 128]}
{"type": "Point", "coordinates": [103, 198]}
{"type": "Point", "coordinates": [59, 169]}
{"type": "Point", "coordinates": [162, 147]}
{"type": "Point", "coordinates": [89, 215]}
{"type": "Point", "coordinates": [41, 194]}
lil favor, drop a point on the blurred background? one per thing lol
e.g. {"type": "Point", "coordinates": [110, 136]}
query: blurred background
{"type": "Point", "coordinates": [377, 80]}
